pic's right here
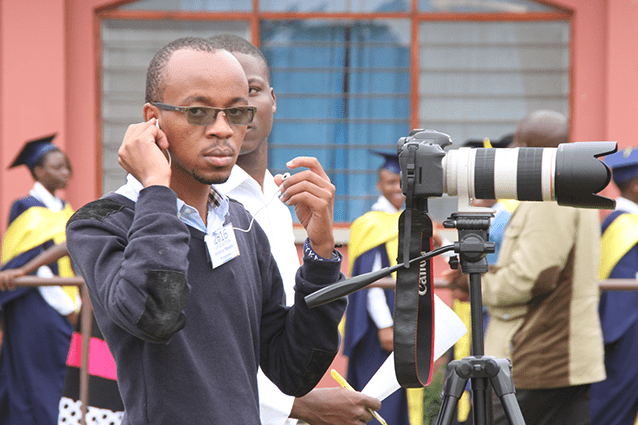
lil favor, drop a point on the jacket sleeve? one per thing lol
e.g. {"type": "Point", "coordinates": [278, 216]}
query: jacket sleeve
{"type": "Point", "coordinates": [297, 351]}
{"type": "Point", "coordinates": [134, 261]}
{"type": "Point", "coordinates": [537, 243]}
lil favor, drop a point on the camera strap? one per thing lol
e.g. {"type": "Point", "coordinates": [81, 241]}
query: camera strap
{"type": "Point", "coordinates": [414, 306]}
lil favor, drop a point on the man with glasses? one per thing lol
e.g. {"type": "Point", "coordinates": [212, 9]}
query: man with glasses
{"type": "Point", "coordinates": [184, 287]}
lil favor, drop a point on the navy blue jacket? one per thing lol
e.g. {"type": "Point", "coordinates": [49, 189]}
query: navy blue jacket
{"type": "Point", "coordinates": [187, 338]}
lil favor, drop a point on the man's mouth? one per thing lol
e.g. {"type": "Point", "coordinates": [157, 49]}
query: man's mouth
{"type": "Point", "coordinates": [219, 158]}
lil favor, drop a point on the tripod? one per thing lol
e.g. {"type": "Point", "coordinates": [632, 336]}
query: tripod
{"type": "Point", "coordinates": [481, 370]}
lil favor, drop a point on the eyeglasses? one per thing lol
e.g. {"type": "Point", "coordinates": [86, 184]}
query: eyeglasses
{"type": "Point", "coordinates": [205, 115]}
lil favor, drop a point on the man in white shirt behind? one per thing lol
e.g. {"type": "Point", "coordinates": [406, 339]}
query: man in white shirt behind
{"type": "Point", "coordinates": [252, 184]}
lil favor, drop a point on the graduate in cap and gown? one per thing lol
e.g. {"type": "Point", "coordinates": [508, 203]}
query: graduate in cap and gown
{"type": "Point", "coordinates": [368, 338]}
{"type": "Point", "coordinates": [37, 320]}
{"type": "Point", "coordinates": [614, 401]}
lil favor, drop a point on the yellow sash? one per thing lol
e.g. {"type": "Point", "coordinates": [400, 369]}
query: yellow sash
{"type": "Point", "coordinates": [371, 230]}
{"type": "Point", "coordinates": [34, 227]}
{"type": "Point", "coordinates": [619, 237]}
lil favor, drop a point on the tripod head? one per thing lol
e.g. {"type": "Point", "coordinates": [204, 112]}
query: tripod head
{"type": "Point", "coordinates": [473, 242]}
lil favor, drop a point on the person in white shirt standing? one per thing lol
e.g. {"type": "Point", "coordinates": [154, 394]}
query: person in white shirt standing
{"type": "Point", "coordinates": [252, 184]}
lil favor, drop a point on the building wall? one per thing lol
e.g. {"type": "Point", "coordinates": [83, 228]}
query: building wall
{"type": "Point", "coordinates": [49, 82]}
{"type": "Point", "coordinates": [32, 86]}
{"type": "Point", "coordinates": [621, 67]}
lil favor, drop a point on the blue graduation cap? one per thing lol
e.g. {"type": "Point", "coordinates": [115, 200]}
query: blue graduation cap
{"type": "Point", "coordinates": [624, 164]}
{"type": "Point", "coordinates": [33, 150]}
{"type": "Point", "coordinates": [391, 161]}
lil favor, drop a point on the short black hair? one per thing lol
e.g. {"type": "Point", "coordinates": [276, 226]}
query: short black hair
{"type": "Point", "coordinates": [155, 71]}
{"type": "Point", "coordinates": [234, 43]}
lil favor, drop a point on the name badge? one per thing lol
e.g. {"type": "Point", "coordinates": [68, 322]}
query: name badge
{"type": "Point", "coordinates": [222, 245]}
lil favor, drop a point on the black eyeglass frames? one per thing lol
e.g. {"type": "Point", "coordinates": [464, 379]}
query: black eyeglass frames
{"type": "Point", "coordinates": [205, 115]}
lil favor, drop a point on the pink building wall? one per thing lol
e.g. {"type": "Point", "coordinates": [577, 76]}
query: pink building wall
{"type": "Point", "coordinates": [621, 67]}
{"type": "Point", "coordinates": [32, 86]}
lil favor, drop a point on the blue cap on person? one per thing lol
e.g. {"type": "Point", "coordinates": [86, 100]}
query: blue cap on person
{"type": "Point", "coordinates": [391, 161]}
{"type": "Point", "coordinates": [33, 150]}
{"type": "Point", "coordinates": [624, 164]}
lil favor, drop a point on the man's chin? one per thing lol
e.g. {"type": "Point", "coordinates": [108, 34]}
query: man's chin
{"type": "Point", "coordinates": [217, 179]}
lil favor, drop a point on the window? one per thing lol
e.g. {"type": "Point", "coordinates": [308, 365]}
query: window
{"type": "Point", "coordinates": [343, 89]}
{"type": "Point", "coordinates": [352, 6]}
{"type": "Point", "coordinates": [191, 5]}
{"type": "Point", "coordinates": [343, 71]}
{"type": "Point", "coordinates": [478, 79]}
{"type": "Point", "coordinates": [474, 6]}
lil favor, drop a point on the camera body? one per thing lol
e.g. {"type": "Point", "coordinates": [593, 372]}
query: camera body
{"type": "Point", "coordinates": [570, 174]}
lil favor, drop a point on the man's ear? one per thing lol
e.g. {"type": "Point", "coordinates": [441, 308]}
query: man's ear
{"type": "Point", "coordinates": [150, 111]}
{"type": "Point", "coordinates": [274, 100]}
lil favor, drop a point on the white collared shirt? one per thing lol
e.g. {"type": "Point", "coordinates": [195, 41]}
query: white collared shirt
{"type": "Point", "coordinates": [275, 219]}
{"type": "Point", "coordinates": [382, 204]}
{"type": "Point", "coordinates": [53, 295]}
{"type": "Point", "coordinates": [272, 215]}
{"type": "Point", "coordinates": [624, 204]}
{"type": "Point", "coordinates": [39, 192]}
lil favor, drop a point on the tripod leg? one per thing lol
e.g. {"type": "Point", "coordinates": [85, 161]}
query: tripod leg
{"type": "Point", "coordinates": [512, 410]}
{"type": "Point", "coordinates": [504, 389]}
{"type": "Point", "coordinates": [453, 388]}
{"type": "Point", "coordinates": [481, 401]}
